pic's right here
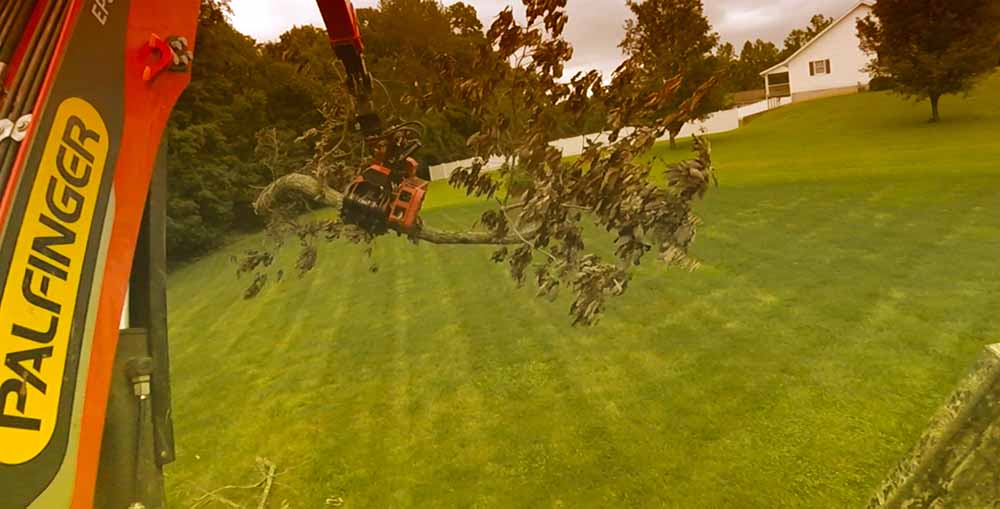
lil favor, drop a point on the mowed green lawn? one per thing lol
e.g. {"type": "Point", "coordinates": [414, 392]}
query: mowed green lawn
{"type": "Point", "coordinates": [850, 279]}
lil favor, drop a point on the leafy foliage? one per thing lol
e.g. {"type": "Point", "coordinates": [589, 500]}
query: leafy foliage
{"type": "Point", "coordinates": [515, 88]}
{"type": "Point", "coordinates": [800, 36]}
{"type": "Point", "coordinates": [755, 57]}
{"type": "Point", "coordinates": [758, 55]}
{"type": "Point", "coordinates": [674, 38]}
{"type": "Point", "coordinates": [248, 99]}
{"type": "Point", "coordinates": [213, 168]}
{"type": "Point", "coordinates": [931, 47]}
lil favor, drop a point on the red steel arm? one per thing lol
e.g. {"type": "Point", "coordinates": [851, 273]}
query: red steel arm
{"type": "Point", "coordinates": [345, 36]}
{"type": "Point", "coordinates": [341, 23]}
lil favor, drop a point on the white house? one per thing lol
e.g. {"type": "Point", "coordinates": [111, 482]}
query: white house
{"type": "Point", "coordinates": [832, 63]}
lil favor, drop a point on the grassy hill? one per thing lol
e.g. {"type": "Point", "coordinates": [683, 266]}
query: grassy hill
{"type": "Point", "coordinates": [850, 278]}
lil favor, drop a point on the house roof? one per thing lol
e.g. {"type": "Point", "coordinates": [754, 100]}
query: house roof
{"type": "Point", "coordinates": [783, 63]}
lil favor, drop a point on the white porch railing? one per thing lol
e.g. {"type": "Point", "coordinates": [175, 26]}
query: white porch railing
{"type": "Point", "coordinates": [779, 90]}
{"type": "Point", "coordinates": [762, 106]}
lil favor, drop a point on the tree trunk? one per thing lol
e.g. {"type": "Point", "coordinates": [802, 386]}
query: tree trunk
{"type": "Point", "coordinates": [934, 107]}
{"type": "Point", "coordinates": [674, 130]}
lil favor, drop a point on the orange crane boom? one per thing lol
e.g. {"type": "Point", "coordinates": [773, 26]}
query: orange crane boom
{"type": "Point", "coordinates": [84, 106]}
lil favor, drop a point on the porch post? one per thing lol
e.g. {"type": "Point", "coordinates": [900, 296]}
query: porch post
{"type": "Point", "coordinates": [767, 86]}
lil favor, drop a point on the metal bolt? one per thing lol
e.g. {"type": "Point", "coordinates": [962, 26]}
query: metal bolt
{"type": "Point", "coordinates": [140, 372]}
{"type": "Point", "coordinates": [140, 386]}
{"type": "Point", "coordinates": [181, 54]}
{"type": "Point", "coordinates": [6, 128]}
{"type": "Point", "coordinates": [21, 128]}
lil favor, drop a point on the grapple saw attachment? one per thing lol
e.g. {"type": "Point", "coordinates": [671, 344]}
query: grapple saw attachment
{"type": "Point", "coordinates": [388, 194]}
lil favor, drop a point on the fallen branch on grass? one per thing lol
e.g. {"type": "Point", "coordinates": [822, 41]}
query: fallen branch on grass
{"type": "Point", "coordinates": [268, 480]}
{"type": "Point", "coordinates": [268, 471]}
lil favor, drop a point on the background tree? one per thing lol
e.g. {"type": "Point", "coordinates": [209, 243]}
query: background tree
{"type": "Point", "coordinates": [727, 58]}
{"type": "Point", "coordinates": [674, 38]}
{"type": "Point", "coordinates": [211, 136]}
{"type": "Point", "coordinates": [464, 20]}
{"type": "Point", "coordinates": [758, 54]}
{"type": "Point", "coordinates": [930, 48]}
{"type": "Point", "coordinates": [244, 94]}
{"type": "Point", "coordinates": [800, 36]}
{"type": "Point", "coordinates": [754, 58]}
{"type": "Point", "coordinates": [404, 37]}
{"type": "Point", "coordinates": [516, 89]}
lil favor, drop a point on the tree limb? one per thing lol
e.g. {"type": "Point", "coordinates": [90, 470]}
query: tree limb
{"type": "Point", "coordinates": [521, 236]}
{"type": "Point", "coordinates": [271, 469]}
{"type": "Point", "coordinates": [306, 185]}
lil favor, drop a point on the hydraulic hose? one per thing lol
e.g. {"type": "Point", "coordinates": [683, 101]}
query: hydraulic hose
{"type": "Point", "coordinates": [30, 75]}
{"type": "Point", "coordinates": [14, 18]}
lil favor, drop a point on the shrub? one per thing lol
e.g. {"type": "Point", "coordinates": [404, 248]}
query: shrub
{"type": "Point", "coordinates": [880, 83]}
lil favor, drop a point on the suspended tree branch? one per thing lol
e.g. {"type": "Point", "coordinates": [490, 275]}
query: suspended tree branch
{"type": "Point", "coordinates": [518, 105]}
{"type": "Point", "coordinates": [311, 188]}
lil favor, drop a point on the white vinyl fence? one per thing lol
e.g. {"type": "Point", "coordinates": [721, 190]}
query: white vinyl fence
{"type": "Point", "coordinates": [718, 122]}
{"type": "Point", "coordinates": [762, 106]}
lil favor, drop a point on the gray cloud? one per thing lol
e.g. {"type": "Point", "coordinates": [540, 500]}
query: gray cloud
{"type": "Point", "coordinates": [595, 27]}
{"type": "Point", "coordinates": [739, 20]}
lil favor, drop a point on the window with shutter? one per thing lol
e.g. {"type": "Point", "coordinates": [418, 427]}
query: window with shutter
{"type": "Point", "coordinates": [819, 67]}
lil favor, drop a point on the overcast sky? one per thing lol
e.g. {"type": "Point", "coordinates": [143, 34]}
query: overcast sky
{"type": "Point", "coordinates": [595, 26]}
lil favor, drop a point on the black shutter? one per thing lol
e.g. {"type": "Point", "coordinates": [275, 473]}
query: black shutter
{"type": "Point", "coordinates": [812, 68]}
{"type": "Point", "coordinates": [828, 71]}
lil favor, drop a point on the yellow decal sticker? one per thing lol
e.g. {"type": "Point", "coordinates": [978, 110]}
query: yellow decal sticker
{"type": "Point", "coordinates": [38, 304]}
